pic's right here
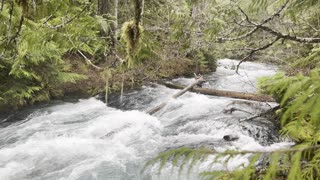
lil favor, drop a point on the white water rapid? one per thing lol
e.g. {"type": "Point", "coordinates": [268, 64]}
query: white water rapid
{"type": "Point", "coordinates": [86, 140]}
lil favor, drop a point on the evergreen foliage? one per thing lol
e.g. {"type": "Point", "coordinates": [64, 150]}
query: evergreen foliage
{"type": "Point", "coordinates": [35, 36]}
{"type": "Point", "coordinates": [34, 39]}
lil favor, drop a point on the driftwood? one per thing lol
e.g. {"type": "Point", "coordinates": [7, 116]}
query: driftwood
{"type": "Point", "coordinates": [223, 93]}
{"type": "Point", "coordinates": [199, 80]}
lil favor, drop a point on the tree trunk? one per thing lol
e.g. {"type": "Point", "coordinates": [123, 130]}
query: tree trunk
{"type": "Point", "coordinates": [138, 7]}
{"type": "Point", "coordinates": [2, 3]}
{"type": "Point", "coordinates": [103, 7]}
{"type": "Point", "coordinates": [142, 11]}
{"type": "Point", "coordinates": [116, 3]}
{"type": "Point", "coordinates": [223, 93]}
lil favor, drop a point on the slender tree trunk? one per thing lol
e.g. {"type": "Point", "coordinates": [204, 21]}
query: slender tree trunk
{"type": "Point", "coordinates": [103, 7]}
{"type": "Point", "coordinates": [142, 11]}
{"type": "Point", "coordinates": [138, 10]}
{"type": "Point", "coordinates": [116, 4]}
{"type": "Point", "coordinates": [2, 3]}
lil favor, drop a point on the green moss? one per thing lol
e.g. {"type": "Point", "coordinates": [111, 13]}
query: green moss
{"type": "Point", "coordinates": [131, 35]}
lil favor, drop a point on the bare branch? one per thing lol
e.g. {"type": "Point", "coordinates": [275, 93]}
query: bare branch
{"type": "Point", "coordinates": [275, 14]}
{"type": "Point", "coordinates": [254, 51]}
{"type": "Point", "coordinates": [69, 20]}
{"type": "Point", "coordinates": [245, 15]}
{"type": "Point", "coordinates": [221, 39]}
{"type": "Point", "coordinates": [269, 30]}
{"type": "Point", "coordinates": [255, 26]}
{"type": "Point", "coordinates": [241, 49]}
{"type": "Point", "coordinates": [47, 19]}
{"type": "Point", "coordinates": [289, 37]}
{"type": "Point", "coordinates": [88, 61]}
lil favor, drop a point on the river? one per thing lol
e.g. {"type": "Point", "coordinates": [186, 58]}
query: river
{"type": "Point", "coordinates": [86, 139]}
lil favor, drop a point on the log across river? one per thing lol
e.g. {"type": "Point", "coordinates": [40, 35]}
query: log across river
{"type": "Point", "coordinates": [85, 139]}
{"type": "Point", "coordinates": [224, 93]}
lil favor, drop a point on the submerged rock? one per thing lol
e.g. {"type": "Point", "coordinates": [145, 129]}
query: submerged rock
{"type": "Point", "coordinates": [230, 137]}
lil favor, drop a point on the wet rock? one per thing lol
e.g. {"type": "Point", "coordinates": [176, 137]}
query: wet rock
{"type": "Point", "coordinates": [230, 137]}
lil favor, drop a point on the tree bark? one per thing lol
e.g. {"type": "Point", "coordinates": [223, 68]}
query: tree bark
{"type": "Point", "coordinates": [138, 12]}
{"type": "Point", "coordinates": [180, 93]}
{"type": "Point", "coordinates": [2, 3]}
{"type": "Point", "coordinates": [116, 3]}
{"type": "Point", "coordinates": [223, 93]}
{"type": "Point", "coordinates": [103, 7]}
{"type": "Point", "coordinates": [142, 12]}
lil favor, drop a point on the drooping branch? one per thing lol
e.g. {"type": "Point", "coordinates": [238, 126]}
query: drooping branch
{"type": "Point", "coordinates": [277, 13]}
{"type": "Point", "coordinates": [11, 15]}
{"type": "Point", "coordinates": [69, 20]}
{"type": "Point", "coordinates": [88, 61]}
{"type": "Point", "coordinates": [47, 19]}
{"type": "Point", "coordinates": [289, 37]}
{"type": "Point", "coordinates": [8, 38]}
{"type": "Point", "coordinates": [253, 51]}
{"type": "Point", "coordinates": [255, 26]}
{"type": "Point", "coordinates": [13, 38]}
{"type": "Point", "coordinates": [221, 39]}
{"type": "Point", "coordinates": [263, 27]}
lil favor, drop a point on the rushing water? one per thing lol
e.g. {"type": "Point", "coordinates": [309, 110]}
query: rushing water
{"type": "Point", "coordinates": [89, 140]}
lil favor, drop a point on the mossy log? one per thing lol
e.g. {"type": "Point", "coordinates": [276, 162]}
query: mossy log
{"type": "Point", "coordinates": [223, 93]}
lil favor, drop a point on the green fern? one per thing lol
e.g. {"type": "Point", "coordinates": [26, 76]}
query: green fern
{"type": "Point", "coordinates": [31, 59]}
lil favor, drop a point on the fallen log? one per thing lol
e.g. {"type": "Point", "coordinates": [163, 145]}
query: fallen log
{"type": "Point", "coordinates": [199, 80]}
{"type": "Point", "coordinates": [223, 93]}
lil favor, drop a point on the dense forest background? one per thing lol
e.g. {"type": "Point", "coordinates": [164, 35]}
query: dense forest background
{"type": "Point", "coordinates": [49, 49]}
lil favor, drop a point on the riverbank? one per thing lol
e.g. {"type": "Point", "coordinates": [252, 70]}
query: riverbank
{"type": "Point", "coordinates": [132, 78]}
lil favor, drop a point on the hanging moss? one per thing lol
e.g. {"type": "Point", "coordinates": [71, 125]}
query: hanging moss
{"type": "Point", "coordinates": [131, 35]}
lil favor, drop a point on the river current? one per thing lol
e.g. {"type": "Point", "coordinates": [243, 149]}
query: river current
{"type": "Point", "coordinates": [87, 140]}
